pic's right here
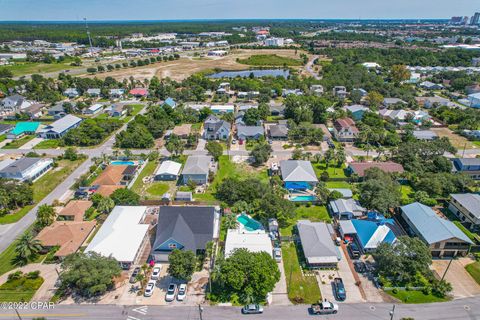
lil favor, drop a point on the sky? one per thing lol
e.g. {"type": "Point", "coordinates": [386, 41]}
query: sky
{"type": "Point", "coordinates": [75, 10]}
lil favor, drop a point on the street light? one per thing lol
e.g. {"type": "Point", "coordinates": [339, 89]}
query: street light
{"type": "Point", "coordinates": [392, 312]}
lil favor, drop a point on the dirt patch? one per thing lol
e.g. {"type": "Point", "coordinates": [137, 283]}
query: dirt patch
{"type": "Point", "coordinates": [457, 141]}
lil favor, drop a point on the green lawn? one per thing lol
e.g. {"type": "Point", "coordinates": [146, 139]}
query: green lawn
{"type": "Point", "coordinates": [158, 189]}
{"type": "Point", "coordinates": [19, 290]}
{"type": "Point", "coordinates": [43, 186]}
{"type": "Point", "coordinates": [415, 296]}
{"type": "Point", "coordinates": [338, 185]}
{"type": "Point", "coordinates": [24, 68]}
{"type": "Point", "coordinates": [313, 213]}
{"type": "Point", "coordinates": [3, 137]}
{"type": "Point", "coordinates": [136, 108]}
{"type": "Point", "coordinates": [270, 60]}
{"type": "Point", "coordinates": [474, 270]}
{"type": "Point", "coordinates": [476, 143]}
{"type": "Point", "coordinates": [147, 170]}
{"type": "Point", "coordinates": [6, 258]}
{"type": "Point", "coordinates": [15, 144]}
{"type": "Point", "coordinates": [301, 289]}
{"type": "Point", "coordinates": [48, 144]}
{"type": "Point", "coordinates": [333, 171]}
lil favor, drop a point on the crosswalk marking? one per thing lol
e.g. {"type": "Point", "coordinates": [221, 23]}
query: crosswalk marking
{"type": "Point", "coordinates": [142, 310]}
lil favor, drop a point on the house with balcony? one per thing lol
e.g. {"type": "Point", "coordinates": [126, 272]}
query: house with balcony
{"type": "Point", "coordinates": [344, 130]}
{"type": "Point", "coordinates": [466, 206]}
{"type": "Point", "coordinates": [216, 129]}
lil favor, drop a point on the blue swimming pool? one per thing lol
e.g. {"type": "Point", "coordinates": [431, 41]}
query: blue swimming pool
{"type": "Point", "coordinates": [303, 198]}
{"type": "Point", "coordinates": [249, 223]}
{"type": "Point", "coordinates": [122, 163]}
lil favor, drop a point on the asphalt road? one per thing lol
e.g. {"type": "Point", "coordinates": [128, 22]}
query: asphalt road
{"type": "Point", "coordinates": [309, 68]}
{"type": "Point", "coordinates": [458, 309]}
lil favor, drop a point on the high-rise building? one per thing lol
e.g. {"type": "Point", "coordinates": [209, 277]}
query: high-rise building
{"type": "Point", "coordinates": [475, 19]}
{"type": "Point", "coordinates": [456, 20]}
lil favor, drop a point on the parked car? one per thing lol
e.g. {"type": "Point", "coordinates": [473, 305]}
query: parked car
{"type": "Point", "coordinates": [149, 289]}
{"type": "Point", "coordinates": [157, 268]}
{"type": "Point", "coordinates": [360, 266]}
{"type": "Point", "coordinates": [252, 309]}
{"type": "Point", "coordinates": [277, 254]}
{"type": "Point", "coordinates": [234, 141]}
{"type": "Point", "coordinates": [353, 251]}
{"type": "Point", "coordinates": [324, 307]}
{"type": "Point", "coordinates": [331, 145]}
{"type": "Point", "coordinates": [172, 289]}
{"type": "Point", "coordinates": [182, 292]}
{"type": "Point", "coordinates": [338, 241]}
{"type": "Point", "coordinates": [340, 293]}
{"type": "Point", "coordinates": [133, 277]}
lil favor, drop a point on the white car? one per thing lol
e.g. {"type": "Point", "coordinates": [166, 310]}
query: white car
{"type": "Point", "coordinates": [149, 289]}
{"type": "Point", "coordinates": [182, 292]}
{"type": "Point", "coordinates": [172, 289]}
{"type": "Point", "coordinates": [156, 272]}
{"type": "Point", "coordinates": [277, 253]}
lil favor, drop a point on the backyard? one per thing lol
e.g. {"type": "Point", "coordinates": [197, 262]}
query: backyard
{"type": "Point", "coordinates": [332, 170]}
{"type": "Point", "coordinates": [301, 288]}
{"type": "Point", "coordinates": [312, 213]}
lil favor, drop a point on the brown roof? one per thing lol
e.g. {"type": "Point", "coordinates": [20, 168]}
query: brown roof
{"type": "Point", "coordinates": [112, 175]}
{"type": "Point", "coordinates": [106, 190]}
{"type": "Point", "coordinates": [390, 167]}
{"type": "Point", "coordinates": [76, 208]}
{"type": "Point", "coordinates": [183, 130]}
{"type": "Point", "coordinates": [69, 235]}
{"type": "Point", "coordinates": [345, 123]}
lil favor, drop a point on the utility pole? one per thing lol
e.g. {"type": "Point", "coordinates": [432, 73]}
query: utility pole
{"type": "Point", "coordinates": [448, 267]}
{"type": "Point", "coordinates": [18, 314]}
{"type": "Point", "coordinates": [464, 147]}
{"type": "Point", "coordinates": [88, 34]}
{"type": "Point", "coordinates": [200, 311]}
{"type": "Point", "coordinates": [392, 312]}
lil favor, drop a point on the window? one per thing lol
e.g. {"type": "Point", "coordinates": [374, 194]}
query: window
{"type": "Point", "coordinates": [172, 246]}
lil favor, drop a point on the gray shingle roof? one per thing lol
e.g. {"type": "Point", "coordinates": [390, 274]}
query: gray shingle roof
{"type": "Point", "coordinates": [20, 165]}
{"type": "Point", "coordinates": [278, 130]}
{"type": "Point", "coordinates": [317, 242]}
{"type": "Point", "coordinates": [297, 170]}
{"type": "Point", "coordinates": [63, 124]}
{"type": "Point", "coordinates": [197, 165]}
{"type": "Point", "coordinates": [249, 131]}
{"type": "Point", "coordinates": [469, 201]}
{"type": "Point", "coordinates": [431, 227]}
{"type": "Point", "coordinates": [190, 226]}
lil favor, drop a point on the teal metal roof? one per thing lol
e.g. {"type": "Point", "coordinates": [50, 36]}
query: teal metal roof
{"type": "Point", "coordinates": [22, 127]}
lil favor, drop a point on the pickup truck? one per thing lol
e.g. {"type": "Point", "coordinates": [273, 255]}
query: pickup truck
{"type": "Point", "coordinates": [340, 293]}
{"type": "Point", "coordinates": [324, 307]}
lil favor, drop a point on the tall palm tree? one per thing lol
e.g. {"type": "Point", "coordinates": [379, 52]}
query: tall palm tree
{"type": "Point", "coordinates": [230, 221]}
{"type": "Point", "coordinates": [27, 247]}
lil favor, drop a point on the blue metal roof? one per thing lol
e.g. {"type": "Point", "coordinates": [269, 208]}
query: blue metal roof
{"type": "Point", "coordinates": [366, 230]}
{"type": "Point", "coordinates": [430, 226]}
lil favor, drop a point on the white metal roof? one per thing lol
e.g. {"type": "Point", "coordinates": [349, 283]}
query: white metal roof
{"type": "Point", "coordinates": [121, 235]}
{"type": "Point", "coordinates": [252, 241]}
{"type": "Point", "coordinates": [169, 167]}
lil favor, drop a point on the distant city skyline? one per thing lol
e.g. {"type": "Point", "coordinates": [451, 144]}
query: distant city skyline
{"type": "Point", "coordinates": [75, 10]}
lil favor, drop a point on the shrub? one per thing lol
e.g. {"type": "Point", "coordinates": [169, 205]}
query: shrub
{"type": "Point", "coordinates": [395, 291]}
{"type": "Point", "coordinates": [33, 275]}
{"type": "Point", "coordinates": [15, 275]}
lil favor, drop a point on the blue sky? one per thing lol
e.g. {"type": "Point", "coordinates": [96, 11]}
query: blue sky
{"type": "Point", "coordinates": [231, 9]}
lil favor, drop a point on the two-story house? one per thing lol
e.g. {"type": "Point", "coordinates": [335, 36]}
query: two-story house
{"type": "Point", "coordinates": [469, 166]}
{"type": "Point", "coordinates": [216, 129]}
{"type": "Point", "coordinates": [466, 206]}
{"type": "Point", "coordinates": [345, 130]}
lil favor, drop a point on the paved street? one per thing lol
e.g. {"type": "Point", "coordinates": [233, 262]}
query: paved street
{"type": "Point", "coordinates": [457, 309]}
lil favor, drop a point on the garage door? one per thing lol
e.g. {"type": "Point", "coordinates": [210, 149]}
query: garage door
{"type": "Point", "coordinates": [449, 254]}
{"type": "Point", "coordinates": [436, 254]}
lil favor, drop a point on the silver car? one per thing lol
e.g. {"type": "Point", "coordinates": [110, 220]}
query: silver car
{"type": "Point", "coordinates": [171, 291]}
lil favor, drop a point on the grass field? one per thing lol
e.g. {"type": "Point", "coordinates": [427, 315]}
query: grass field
{"type": "Point", "coordinates": [158, 189]}
{"type": "Point", "coordinates": [338, 185]}
{"type": "Point", "coordinates": [313, 213]}
{"type": "Point", "coordinates": [43, 186]}
{"type": "Point", "coordinates": [147, 171]}
{"type": "Point", "coordinates": [21, 69]}
{"type": "Point", "coordinates": [415, 296]}
{"type": "Point", "coordinates": [19, 290]}
{"type": "Point", "coordinates": [270, 60]}
{"type": "Point", "coordinates": [48, 144]}
{"type": "Point", "coordinates": [136, 108]}
{"type": "Point", "coordinates": [6, 258]}
{"type": "Point", "coordinates": [474, 270]}
{"type": "Point", "coordinates": [333, 171]}
{"type": "Point", "coordinates": [15, 144]}
{"type": "Point", "coordinates": [300, 288]}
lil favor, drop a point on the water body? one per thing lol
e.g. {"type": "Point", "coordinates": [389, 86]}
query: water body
{"type": "Point", "coordinates": [257, 73]}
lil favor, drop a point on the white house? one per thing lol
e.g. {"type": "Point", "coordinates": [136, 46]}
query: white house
{"type": "Point", "coordinates": [60, 127]}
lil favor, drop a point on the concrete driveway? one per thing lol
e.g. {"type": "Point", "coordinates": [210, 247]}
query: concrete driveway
{"type": "Point", "coordinates": [32, 143]}
{"type": "Point", "coordinates": [463, 284]}
{"type": "Point", "coordinates": [280, 293]}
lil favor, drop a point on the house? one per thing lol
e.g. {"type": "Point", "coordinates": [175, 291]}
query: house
{"type": "Point", "coordinates": [474, 100]}
{"type": "Point", "coordinates": [436, 101]}
{"type": "Point", "coordinates": [298, 175]}
{"type": "Point", "coordinates": [414, 78]}
{"type": "Point", "coordinates": [170, 102]}
{"type": "Point", "coordinates": [117, 110]}
{"type": "Point", "coordinates": [427, 85]}
{"type": "Point", "coordinates": [359, 168]}
{"type": "Point", "coordinates": [23, 128]}
{"type": "Point", "coordinates": [442, 236]}
{"type": "Point", "coordinates": [346, 209]}
{"type": "Point", "coordinates": [361, 92]}
{"type": "Point", "coordinates": [94, 92]}
{"type": "Point", "coordinates": [116, 93]}
{"type": "Point", "coordinates": [168, 170]}
{"type": "Point", "coordinates": [316, 90]}
{"type": "Point", "coordinates": [112, 175]}
{"type": "Point", "coordinates": [475, 88]}
{"type": "Point", "coordinates": [472, 134]}
{"type": "Point", "coordinates": [277, 109]}
{"type": "Point", "coordinates": [57, 111]}
{"type": "Point", "coordinates": [340, 92]}
{"type": "Point", "coordinates": [59, 128]}
{"type": "Point", "coordinates": [139, 92]}
{"type": "Point", "coordinates": [14, 103]}
{"type": "Point", "coordinates": [426, 135]}
{"type": "Point", "coordinates": [249, 132]}
{"type": "Point", "coordinates": [71, 93]}
{"type": "Point", "coordinates": [25, 169]}
{"type": "Point", "coordinates": [417, 117]}
{"type": "Point", "coordinates": [197, 169]}
{"type": "Point", "coordinates": [222, 108]}
{"type": "Point", "coordinates": [317, 244]}
{"type": "Point", "coordinates": [371, 65]}
{"type": "Point", "coordinates": [4, 128]}
{"type": "Point", "coordinates": [122, 235]}
{"type": "Point", "coordinates": [216, 129]}
{"type": "Point", "coordinates": [345, 130]}
{"type": "Point", "coordinates": [388, 102]}
{"type": "Point", "coordinates": [466, 206]}
{"type": "Point", "coordinates": [287, 92]}
{"type": "Point", "coordinates": [182, 131]}
{"type": "Point", "coordinates": [107, 190]}
{"type": "Point", "coordinates": [246, 106]}
{"type": "Point", "coordinates": [94, 109]}
{"type": "Point", "coordinates": [278, 132]}
{"type": "Point", "coordinates": [357, 111]}
{"type": "Point", "coordinates": [253, 241]}
{"type": "Point", "coordinates": [67, 235]}
{"type": "Point", "coordinates": [469, 166]}
{"type": "Point", "coordinates": [184, 228]}
{"type": "Point", "coordinates": [184, 196]}
{"type": "Point", "coordinates": [368, 234]}
{"type": "Point", "coordinates": [75, 210]}
{"type": "Point", "coordinates": [34, 111]}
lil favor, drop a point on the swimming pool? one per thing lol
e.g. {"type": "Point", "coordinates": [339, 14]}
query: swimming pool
{"type": "Point", "coordinates": [122, 163]}
{"type": "Point", "coordinates": [249, 223]}
{"type": "Point", "coordinates": [303, 198]}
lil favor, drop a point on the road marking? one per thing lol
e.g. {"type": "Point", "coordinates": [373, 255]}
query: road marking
{"type": "Point", "coordinates": [132, 318]}
{"type": "Point", "coordinates": [142, 310]}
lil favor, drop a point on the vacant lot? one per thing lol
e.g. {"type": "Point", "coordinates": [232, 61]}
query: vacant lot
{"type": "Point", "coordinates": [457, 141]}
{"type": "Point", "coordinates": [270, 60]}
{"type": "Point", "coordinates": [186, 66]}
{"type": "Point", "coordinates": [312, 213]}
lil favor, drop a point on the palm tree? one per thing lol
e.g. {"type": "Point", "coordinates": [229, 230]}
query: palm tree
{"type": "Point", "coordinates": [367, 148]}
{"type": "Point", "coordinates": [27, 247]}
{"type": "Point", "coordinates": [230, 221]}
{"type": "Point", "coordinates": [317, 157]}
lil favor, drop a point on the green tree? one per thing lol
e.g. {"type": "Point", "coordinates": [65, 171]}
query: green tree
{"type": "Point", "coordinates": [175, 145]}
{"type": "Point", "coordinates": [260, 153]}
{"type": "Point", "coordinates": [182, 264]}
{"type": "Point", "coordinates": [399, 73]}
{"type": "Point", "coordinates": [5, 73]}
{"type": "Point", "coordinates": [89, 275]}
{"type": "Point", "coordinates": [105, 205]}
{"type": "Point", "coordinates": [215, 149]}
{"type": "Point", "coordinates": [230, 221]}
{"type": "Point", "coordinates": [45, 216]}
{"type": "Point", "coordinates": [374, 99]}
{"type": "Point", "coordinates": [125, 197]}
{"type": "Point", "coordinates": [27, 248]}
{"type": "Point", "coordinates": [70, 154]}
{"type": "Point", "coordinates": [379, 191]}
